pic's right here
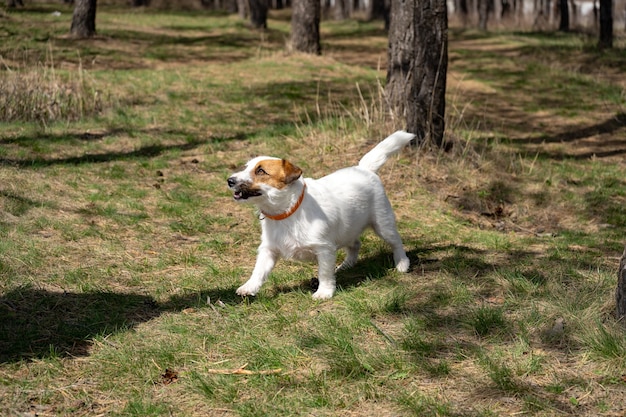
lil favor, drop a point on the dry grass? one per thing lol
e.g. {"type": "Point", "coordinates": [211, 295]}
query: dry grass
{"type": "Point", "coordinates": [40, 94]}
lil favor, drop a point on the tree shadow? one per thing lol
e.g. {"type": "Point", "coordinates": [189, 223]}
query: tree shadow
{"type": "Point", "coordinates": [147, 151]}
{"type": "Point", "coordinates": [113, 51]}
{"type": "Point", "coordinates": [37, 323]}
{"type": "Point", "coordinates": [51, 137]}
{"type": "Point", "coordinates": [604, 148]}
{"type": "Point", "coordinates": [17, 205]}
{"type": "Point", "coordinates": [610, 125]}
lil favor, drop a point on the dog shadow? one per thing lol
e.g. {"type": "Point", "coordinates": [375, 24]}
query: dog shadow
{"type": "Point", "coordinates": [373, 267]}
{"type": "Point", "coordinates": [37, 323]}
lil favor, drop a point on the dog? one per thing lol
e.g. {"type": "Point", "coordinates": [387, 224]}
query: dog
{"type": "Point", "coordinates": [311, 219]}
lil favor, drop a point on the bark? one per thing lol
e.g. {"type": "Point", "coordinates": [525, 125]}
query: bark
{"type": "Point", "coordinates": [506, 9]}
{"type": "Point", "coordinates": [463, 11]}
{"type": "Point", "coordinates": [305, 26]}
{"type": "Point", "coordinates": [84, 19]}
{"type": "Point", "coordinates": [483, 14]}
{"type": "Point", "coordinates": [242, 9]}
{"type": "Point", "coordinates": [342, 9]}
{"type": "Point", "coordinates": [519, 10]}
{"type": "Point", "coordinates": [564, 10]}
{"type": "Point", "coordinates": [417, 66]}
{"type": "Point", "coordinates": [14, 3]}
{"type": "Point", "coordinates": [606, 24]}
{"type": "Point", "coordinates": [379, 9]}
{"type": "Point", "coordinates": [574, 13]}
{"type": "Point", "coordinates": [258, 13]}
{"type": "Point", "coordinates": [620, 292]}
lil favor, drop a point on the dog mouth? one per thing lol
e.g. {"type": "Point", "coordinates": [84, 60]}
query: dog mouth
{"type": "Point", "coordinates": [242, 190]}
{"type": "Point", "coordinates": [244, 194]}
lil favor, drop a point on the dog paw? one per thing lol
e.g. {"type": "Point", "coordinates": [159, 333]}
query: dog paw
{"type": "Point", "coordinates": [323, 293]}
{"type": "Point", "coordinates": [403, 265]}
{"type": "Point", "coordinates": [247, 290]}
{"type": "Point", "coordinates": [342, 267]}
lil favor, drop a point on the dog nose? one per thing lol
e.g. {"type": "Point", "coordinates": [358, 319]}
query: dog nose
{"type": "Point", "coordinates": [231, 182]}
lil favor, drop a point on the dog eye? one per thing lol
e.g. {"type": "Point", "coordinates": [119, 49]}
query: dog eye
{"type": "Point", "coordinates": [260, 171]}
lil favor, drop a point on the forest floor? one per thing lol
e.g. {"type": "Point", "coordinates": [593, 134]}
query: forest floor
{"type": "Point", "coordinates": [121, 247]}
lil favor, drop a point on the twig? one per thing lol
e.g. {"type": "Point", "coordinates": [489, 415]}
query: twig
{"type": "Point", "coordinates": [225, 410]}
{"type": "Point", "coordinates": [385, 335]}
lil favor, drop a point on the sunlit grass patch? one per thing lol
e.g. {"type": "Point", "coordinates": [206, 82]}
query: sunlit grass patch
{"type": "Point", "coordinates": [607, 342]}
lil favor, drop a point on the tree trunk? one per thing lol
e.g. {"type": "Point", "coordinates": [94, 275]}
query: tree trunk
{"type": "Point", "coordinates": [620, 292]}
{"type": "Point", "coordinates": [564, 10]}
{"type": "Point", "coordinates": [574, 14]}
{"type": "Point", "coordinates": [379, 9]}
{"type": "Point", "coordinates": [606, 24]}
{"type": "Point", "coordinates": [506, 9]}
{"type": "Point", "coordinates": [14, 3]}
{"type": "Point", "coordinates": [463, 11]}
{"type": "Point", "coordinates": [483, 14]}
{"type": "Point", "coordinates": [519, 11]}
{"type": "Point", "coordinates": [417, 66]}
{"type": "Point", "coordinates": [258, 13]}
{"type": "Point", "coordinates": [242, 9]}
{"type": "Point", "coordinates": [305, 26]}
{"type": "Point", "coordinates": [84, 19]}
{"type": "Point", "coordinates": [342, 9]}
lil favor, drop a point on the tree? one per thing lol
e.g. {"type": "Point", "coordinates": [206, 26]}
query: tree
{"type": "Point", "coordinates": [484, 7]}
{"type": "Point", "coordinates": [620, 292]}
{"type": "Point", "coordinates": [258, 13]}
{"type": "Point", "coordinates": [342, 9]}
{"type": "Point", "coordinates": [564, 12]}
{"type": "Point", "coordinates": [305, 26]}
{"type": "Point", "coordinates": [606, 24]}
{"type": "Point", "coordinates": [242, 8]}
{"type": "Point", "coordinates": [461, 8]}
{"type": "Point", "coordinates": [14, 3]}
{"type": "Point", "coordinates": [379, 9]}
{"type": "Point", "coordinates": [84, 19]}
{"type": "Point", "coordinates": [417, 66]}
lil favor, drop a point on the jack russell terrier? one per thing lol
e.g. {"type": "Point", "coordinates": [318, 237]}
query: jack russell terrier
{"type": "Point", "coordinates": [307, 219]}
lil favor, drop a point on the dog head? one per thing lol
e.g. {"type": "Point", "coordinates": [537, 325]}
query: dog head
{"type": "Point", "coordinates": [263, 176]}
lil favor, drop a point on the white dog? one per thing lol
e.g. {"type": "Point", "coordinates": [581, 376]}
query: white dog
{"type": "Point", "coordinates": [306, 219]}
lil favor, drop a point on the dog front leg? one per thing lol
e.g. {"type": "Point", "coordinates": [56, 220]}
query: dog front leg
{"type": "Point", "coordinates": [326, 259]}
{"type": "Point", "coordinates": [265, 261]}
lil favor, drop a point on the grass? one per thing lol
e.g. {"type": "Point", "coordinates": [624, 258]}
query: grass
{"type": "Point", "coordinates": [121, 247]}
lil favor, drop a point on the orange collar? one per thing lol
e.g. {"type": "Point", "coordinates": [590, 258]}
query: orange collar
{"type": "Point", "coordinates": [289, 212]}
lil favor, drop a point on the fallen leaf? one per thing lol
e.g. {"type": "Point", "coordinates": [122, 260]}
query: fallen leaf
{"type": "Point", "coordinates": [169, 377]}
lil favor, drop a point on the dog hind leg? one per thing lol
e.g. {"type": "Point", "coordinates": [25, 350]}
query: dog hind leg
{"type": "Point", "coordinates": [352, 254]}
{"type": "Point", "coordinates": [385, 226]}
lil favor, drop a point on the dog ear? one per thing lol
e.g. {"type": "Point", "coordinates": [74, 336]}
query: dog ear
{"type": "Point", "coordinates": [291, 171]}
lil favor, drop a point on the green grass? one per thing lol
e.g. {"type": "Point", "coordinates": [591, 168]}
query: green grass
{"type": "Point", "coordinates": [121, 248]}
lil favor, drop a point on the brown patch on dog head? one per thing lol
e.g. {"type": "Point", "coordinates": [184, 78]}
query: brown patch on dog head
{"type": "Point", "coordinates": [276, 172]}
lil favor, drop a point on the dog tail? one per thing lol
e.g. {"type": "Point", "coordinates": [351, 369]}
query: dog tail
{"type": "Point", "coordinates": [377, 157]}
